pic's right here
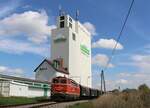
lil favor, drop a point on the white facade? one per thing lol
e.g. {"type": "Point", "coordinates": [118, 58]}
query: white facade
{"type": "Point", "coordinates": [72, 42]}
{"type": "Point", "coordinates": [18, 89]}
{"type": "Point", "coordinates": [46, 72]}
{"type": "Point", "coordinates": [4, 88]}
{"type": "Point", "coordinates": [10, 88]}
{"type": "Point", "coordinates": [34, 92]}
{"type": "Point", "coordinates": [24, 88]}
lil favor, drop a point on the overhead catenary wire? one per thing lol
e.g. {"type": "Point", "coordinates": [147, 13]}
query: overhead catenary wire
{"type": "Point", "coordinates": [114, 49]}
{"type": "Point", "coordinates": [119, 36]}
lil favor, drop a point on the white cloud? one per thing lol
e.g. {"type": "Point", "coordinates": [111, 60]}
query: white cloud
{"type": "Point", "coordinates": [101, 60]}
{"type": "Point", "coordinates": [90, 27]}
{"type": "Point", "coordinates": [131, 79]}
{"type": "Point", "coordinates": [11, 71]}
{"type": "Point", "coordinates": [107, 44]}
{"type": "Point", "coordinates": [116, 83]}
{"type": "Point", "coordinates": [121, 81]}
{"type": "Point", "coordinates": [135, 78]}
{"type": "Point", "coordinates": [124, 74]}
{"type": "Point", "coordinates": [18, 47]}
{"type": "Point", "coordinates": [32, 24]}
{"type": "Point", "coordinates": [142, 62]}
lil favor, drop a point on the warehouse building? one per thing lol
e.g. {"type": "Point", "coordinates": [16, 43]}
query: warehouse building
{"type": "Point", "coordinates": [17, 86]}
{"type": "Point", "coordinates": [70, 53]}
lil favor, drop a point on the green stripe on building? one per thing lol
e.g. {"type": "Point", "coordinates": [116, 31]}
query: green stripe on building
{"type": "Point", "coordinates": [84, 50]}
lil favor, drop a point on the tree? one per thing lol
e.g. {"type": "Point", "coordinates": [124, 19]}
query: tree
{"type": "Point", "coordinates": [143, 88]}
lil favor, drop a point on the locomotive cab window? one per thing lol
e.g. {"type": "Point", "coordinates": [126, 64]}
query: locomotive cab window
{"type": "Point", "coordinates": [55, 81]}
{"type": "Point", "coordinates": [63, 81]}
{"type": "Point", "coordinates": [74, 83]}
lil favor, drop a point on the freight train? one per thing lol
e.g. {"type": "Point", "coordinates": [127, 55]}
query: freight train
{"type": "Point", "coordinates": [64, 89]}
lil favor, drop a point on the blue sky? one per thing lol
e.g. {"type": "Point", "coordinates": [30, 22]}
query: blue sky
{"type": "Point", "coordinates": [25, 27]}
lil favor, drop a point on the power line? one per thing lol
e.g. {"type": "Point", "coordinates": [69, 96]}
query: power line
{"type": "Point", "coordinates": [119, 36]}
{"type": "Point", "coordinates": [114, 49]}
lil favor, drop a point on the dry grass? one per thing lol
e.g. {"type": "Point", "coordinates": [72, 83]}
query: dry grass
{"type": "Point", "coordinates": [130, 98]}
{"type": "Point", "coordinates": [123, 100]}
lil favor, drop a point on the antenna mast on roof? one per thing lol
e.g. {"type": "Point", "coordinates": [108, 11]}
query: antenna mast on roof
{"type": "Point", "coordinates": [77, 14]}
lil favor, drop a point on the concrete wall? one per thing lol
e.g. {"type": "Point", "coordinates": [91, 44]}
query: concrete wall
{"type": "Point", "coordinates": [18, 89]}
{"type": "Point", "coordinates": [84, 63]}
{"type": "Point", "coordinates": [37, 92]}
{"type": "Point", "coordinates": [4, 88]}
{"type": "Point", "coordinates": [77, 62]}
{"type": "Point", "coordinates": [45, 72]}
{"type": "Point", "coordinates": [60, 47]}
{"type": "Point", "coordinates": [34, 92]}
{"type": "Point", "coordinates": [10, 88]}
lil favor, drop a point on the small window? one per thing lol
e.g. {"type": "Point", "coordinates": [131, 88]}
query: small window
{"type": "Point", "coordinates": [62, 24]}
{"type": "Point", "coordinates": [55, 80]}
{"type": "Point", "coordinates": [66, 69]}
{"type": "Point", "coordinates": [73, 36]}
{"type": "Point", "coordinates": [62, 18]}
{"type": "Point", "coordinates": [36, 84]}
{"type": "Point", "coordinates": [70, 19]}
{"type": "Point", "coordinates": [74, 83]}
{"type": "Point", "coordinates": [43, 68]}
{"type": "Point", "coordinates": [63, 81]}
{"type": "Point", "coordinates": [70, 25]}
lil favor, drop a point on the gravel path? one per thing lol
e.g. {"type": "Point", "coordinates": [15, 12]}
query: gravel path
{"type": "Point", "coordinates": [64, 104]}
{"type": "Point", "coordinates": [48, 105]}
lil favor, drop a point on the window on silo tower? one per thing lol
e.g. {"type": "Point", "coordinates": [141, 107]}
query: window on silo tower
{"type": "Point", "coordinates": [70, 19]}
{"type": "Point", "coordinates": [73, 36]}
{"type": "Point", "coordinates": [70, 25]}
{"type": "Point", "coordinates": [70, 22]}
{"type": "Point", "coordinates": [62, 17]}
{"type": "Point", "coordinates": [62, 24]}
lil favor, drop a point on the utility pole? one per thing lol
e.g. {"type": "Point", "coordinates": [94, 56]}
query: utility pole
{"type": "Point", "coordinates": [103, 87]}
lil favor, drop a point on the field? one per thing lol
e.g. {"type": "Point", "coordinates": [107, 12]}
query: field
{"type": "Point", "coordinates": [129, 98]}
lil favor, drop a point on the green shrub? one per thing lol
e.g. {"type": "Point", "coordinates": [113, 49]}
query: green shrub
{"type": "Point", "coordinates": [143, 88]}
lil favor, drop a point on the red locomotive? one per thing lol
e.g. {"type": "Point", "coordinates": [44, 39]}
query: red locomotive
{"type": "Point", "coordinates": [63, 88]}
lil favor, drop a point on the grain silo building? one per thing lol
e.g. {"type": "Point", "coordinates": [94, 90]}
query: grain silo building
{"type": "Point", "coordinates": [70, 52]}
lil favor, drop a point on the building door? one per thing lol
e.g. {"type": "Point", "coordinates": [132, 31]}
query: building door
{"type": "Point", "coordinates": [45, 92]}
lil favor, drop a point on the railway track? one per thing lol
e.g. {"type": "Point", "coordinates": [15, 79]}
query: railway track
{"type": "Point", "coordinates": [46, 105]}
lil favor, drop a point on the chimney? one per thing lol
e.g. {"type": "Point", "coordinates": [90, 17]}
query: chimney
{"type": "Point", "coordinates": [58, 63]}
{"type": "Point", "coordinates": [61, 62]}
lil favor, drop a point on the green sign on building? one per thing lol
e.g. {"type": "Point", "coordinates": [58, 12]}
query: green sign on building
{"type": "Point", "coordinates": [84, 50]}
